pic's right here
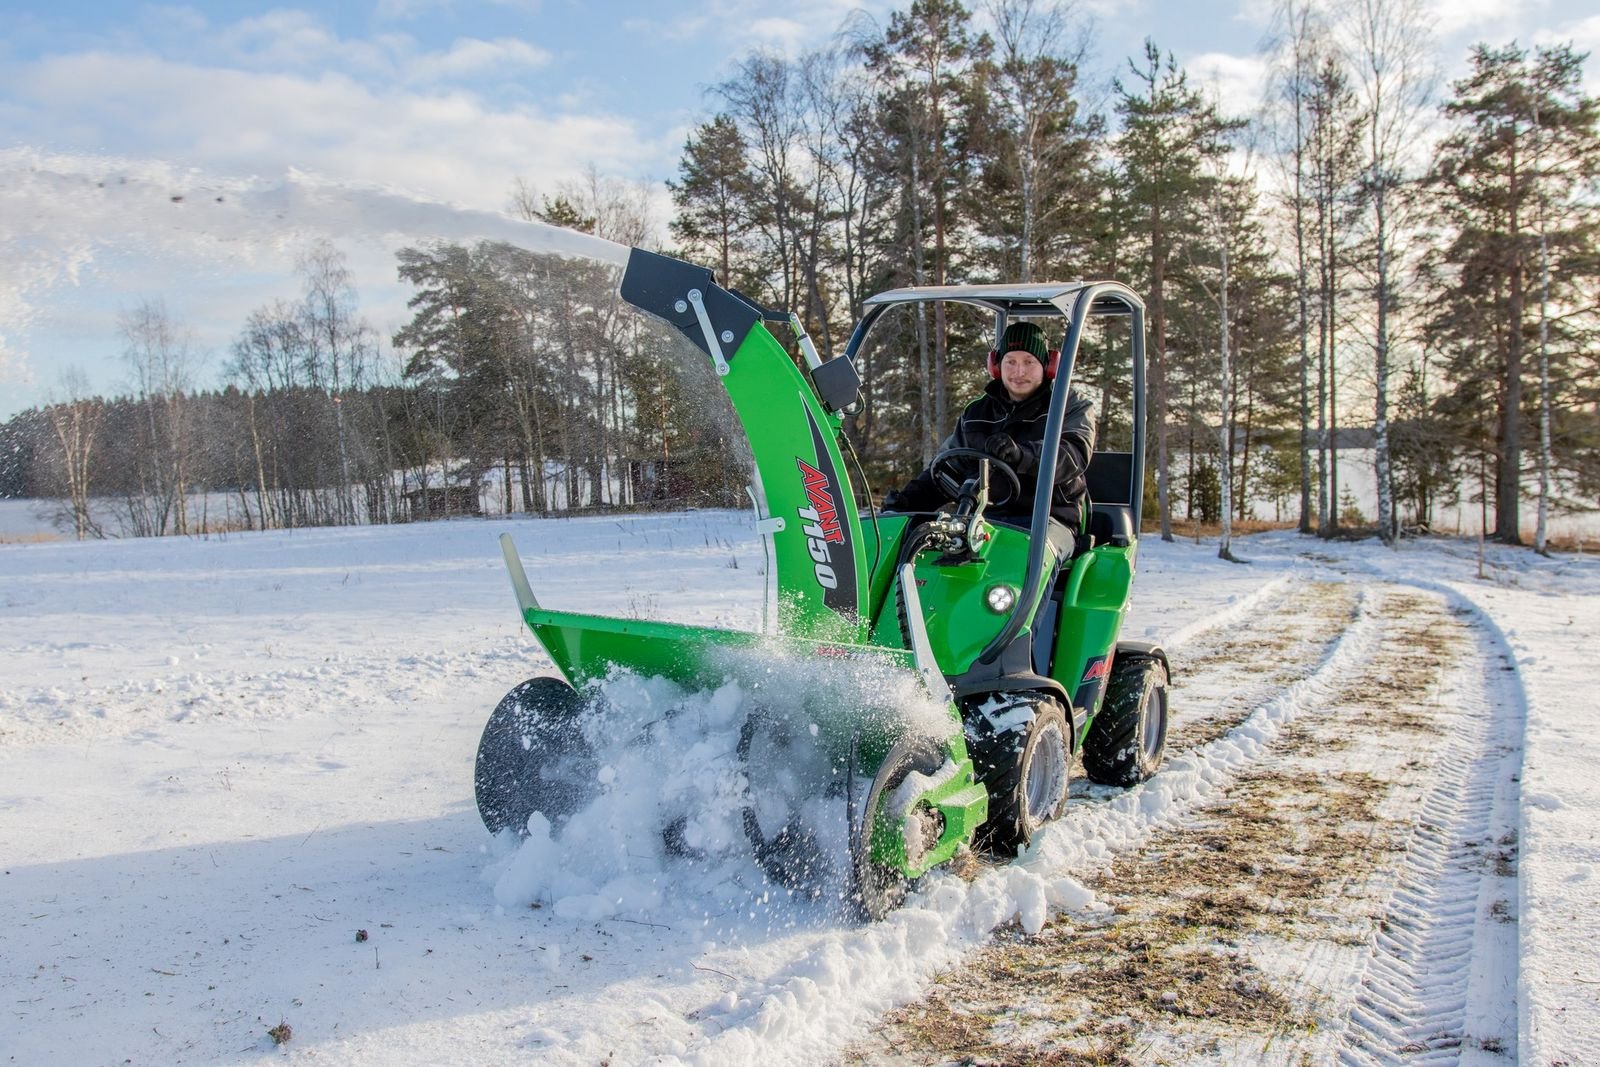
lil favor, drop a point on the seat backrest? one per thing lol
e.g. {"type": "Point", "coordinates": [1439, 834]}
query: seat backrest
{"type": "Point", "coordinates": [1111, 489]}
{"type": "Point", "coordinates": [1110, 478]}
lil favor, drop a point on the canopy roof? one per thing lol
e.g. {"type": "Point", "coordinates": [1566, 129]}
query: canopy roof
{"type": "Point", "coordinates": [1032, 298]}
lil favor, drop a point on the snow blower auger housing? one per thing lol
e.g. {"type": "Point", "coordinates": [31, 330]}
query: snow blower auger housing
{"type": "Point", "coordinates": [950, 600]}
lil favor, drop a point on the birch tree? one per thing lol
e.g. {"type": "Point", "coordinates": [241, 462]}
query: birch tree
{"type": "Point", "coordinates": [1037, 182]}
{"type": "Point", "coordinates": [338, 347]}
{"type": "Point", "coordinates": [76, 419]}
{"type": "Point", "coordinates": [1395, 77]}
{"type": "Point", "coordinates": [160, 353]}
{"type": "Point", "coordinates": [1302, 39]}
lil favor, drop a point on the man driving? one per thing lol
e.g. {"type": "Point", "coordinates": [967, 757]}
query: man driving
{"type": "Point", "coordinates": [1008, 423]}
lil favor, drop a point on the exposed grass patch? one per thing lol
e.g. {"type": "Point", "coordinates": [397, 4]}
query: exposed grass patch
{"type": "Point", "coordinates": [1268, 646]}
{"type": "Point", "coordinates": [1171, 956]}
{"type": "Point", "coordinates": [1168, 975]}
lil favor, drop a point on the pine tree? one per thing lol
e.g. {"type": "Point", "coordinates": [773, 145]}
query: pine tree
{"type": "Point", "coordinates": [1169, 135]}
{"type": "Point", "coordinates": [711, 195]}
{"type": "Point", "coordinates": [923, 61]}
{"type": "Point", "coordinates": [1516, 180]}
{"type": "Point", "coordinates": [1395, 78]}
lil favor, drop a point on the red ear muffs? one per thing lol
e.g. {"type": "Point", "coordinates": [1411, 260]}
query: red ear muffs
{"type": "Point", "coordinates": [1050, 364]}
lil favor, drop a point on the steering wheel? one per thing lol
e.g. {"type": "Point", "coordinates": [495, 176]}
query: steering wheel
{"type": "Point", "coordinates": [944, 471]}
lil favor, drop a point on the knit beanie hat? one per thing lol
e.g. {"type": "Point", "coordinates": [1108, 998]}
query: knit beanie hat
{"type": "Point", "coordinates": [1025, 337]}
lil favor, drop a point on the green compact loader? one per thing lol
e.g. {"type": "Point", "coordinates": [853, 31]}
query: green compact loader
{"type": "Point", "coordinates": [1011, 632]}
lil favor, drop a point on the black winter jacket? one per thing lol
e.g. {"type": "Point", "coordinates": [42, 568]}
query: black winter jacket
{"type": "Point", "coordinates": [994, 412]}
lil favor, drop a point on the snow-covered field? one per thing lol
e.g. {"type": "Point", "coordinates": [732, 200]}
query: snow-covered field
{"type": "Point", "coordinates": [236, 791]}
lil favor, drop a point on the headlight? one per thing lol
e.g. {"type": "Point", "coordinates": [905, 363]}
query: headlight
{"type": "Point", "coordinates": [1001, 598]}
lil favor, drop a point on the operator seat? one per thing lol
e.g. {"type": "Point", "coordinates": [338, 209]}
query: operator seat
{"type": "Point", "coordinates": [1111, 489]}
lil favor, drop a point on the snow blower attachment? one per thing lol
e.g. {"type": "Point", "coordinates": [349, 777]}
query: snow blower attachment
{"type": "Point", "coordinates": [1006, 632]}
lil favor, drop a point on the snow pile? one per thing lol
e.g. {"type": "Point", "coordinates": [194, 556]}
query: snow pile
{"type": "Point", "coordinates": [666, 758]}
{"type": "Point", "coordinates": [677, 771]}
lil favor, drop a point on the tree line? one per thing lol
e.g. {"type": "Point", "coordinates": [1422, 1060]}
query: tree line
{"type": "Point", "coordinates": [520, 380]}
{"type": "Point", "coordinates": [1369, 257]}
{"type": "Point", "coordinates": [1320, 266]}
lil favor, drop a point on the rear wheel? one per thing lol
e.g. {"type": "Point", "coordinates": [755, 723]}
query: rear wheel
{"type": "Point", "coordinates": [1127, 738]}
{"type": "Point", "coordinates": [533, 757]}
{"type": "Point", "coordinates": [1022, 753]}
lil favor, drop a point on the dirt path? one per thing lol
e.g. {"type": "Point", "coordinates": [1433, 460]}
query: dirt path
{"type": "Point", "coordinates": [1349, 896]}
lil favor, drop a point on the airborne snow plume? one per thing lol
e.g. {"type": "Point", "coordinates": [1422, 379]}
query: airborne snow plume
{"type": "Point", "coordinates": [68, 202]}
{"type": "Point", "coordinates": [70, 219]}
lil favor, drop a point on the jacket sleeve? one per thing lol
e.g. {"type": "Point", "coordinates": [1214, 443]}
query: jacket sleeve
{"type": "Point", "coordinates": [1077, 441]}
{"type": "Point", "coordinates": [1077, 436]}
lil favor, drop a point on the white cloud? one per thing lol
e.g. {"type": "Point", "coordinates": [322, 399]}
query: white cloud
{"type": "Point", "coordinates": [171, 18]}
{"type": "Point", "coordinates": [1584, 36]}
{"type": "Point", "coordinates": [287, 40]}
{"type": "Point", "coordinates": [470, 58]}
{"type": "Point", "coordinates": [1480, 17]}
{"type": "Point", "coordinates": [445, 143]}
{"type": "Point", "coordinates": [406, 10]}
{"type": "Point", "coordinates": [1114, 9]}
{"type": "Point", "coordinates": [1259, 13]}
{"type": "Point", "coordinates": [283, 38]}
{"type": "Point", "coordinates": [780, 34]}
{"type": "Point", "coordinates": [1237, 82]}
{"type": "Point", "coordinates": [744, 24]}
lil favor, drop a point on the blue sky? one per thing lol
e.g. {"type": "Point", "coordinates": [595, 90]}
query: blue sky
{"type": "Point", "coordinates": [441, 101]}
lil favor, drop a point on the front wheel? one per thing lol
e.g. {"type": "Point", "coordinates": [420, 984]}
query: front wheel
{"type": "Point", "coordinates": [1127, 738]}
{"type": "Point", "coordinates": [1022, 753]}
{"type": "Point", "coordinates": [879, 887]}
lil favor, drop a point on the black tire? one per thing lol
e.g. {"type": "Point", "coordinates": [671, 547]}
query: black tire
{"type": "Point", "coordinates": [1026, 767]}
{"type": "Point", "coordinates": [1127, 738]}
{"type": "Point", "coordinates": [879, 889]}
{"type": "Point", "coordinates": [533, 757]}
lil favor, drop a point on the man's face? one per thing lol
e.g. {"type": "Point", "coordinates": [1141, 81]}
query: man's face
{"type": "Point", "coordinates": [1021, 374]}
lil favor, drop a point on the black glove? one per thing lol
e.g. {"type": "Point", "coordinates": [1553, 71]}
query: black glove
{"type": "Point", "coordinates": [895, 500]}
{"type": "Point", "coordinates": [1004, 449]}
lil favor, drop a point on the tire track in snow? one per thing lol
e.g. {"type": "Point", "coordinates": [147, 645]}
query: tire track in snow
{"type": "Point", "coordinates": [1286, 636]}
{"type": "Point", "coordinates": [1440, 984]}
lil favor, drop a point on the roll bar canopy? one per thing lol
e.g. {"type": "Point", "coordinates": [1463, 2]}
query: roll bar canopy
{"type": "Point", "coordinates": [1077, 302]}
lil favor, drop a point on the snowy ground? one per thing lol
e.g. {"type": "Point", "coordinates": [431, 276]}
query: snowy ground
{"type": "Point", "coordinates": [223, 760]}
